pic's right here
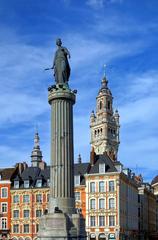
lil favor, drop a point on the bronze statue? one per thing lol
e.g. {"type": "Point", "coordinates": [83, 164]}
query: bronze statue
{"type": "Point", "coordinates": [60, 64]}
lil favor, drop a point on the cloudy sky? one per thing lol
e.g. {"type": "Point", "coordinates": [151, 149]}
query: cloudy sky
{"type": "Point", "coordinates": [120, 33]}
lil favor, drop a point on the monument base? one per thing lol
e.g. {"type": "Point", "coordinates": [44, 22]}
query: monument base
{"type": "Point", "coordinates": [61, 226]}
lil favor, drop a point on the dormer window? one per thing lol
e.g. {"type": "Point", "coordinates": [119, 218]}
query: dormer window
{"type": "Point", "coordinates": [39, 183]}
{"type": "Point", "coordinates": [16, 184]}
{"type": "Point", "coordinates": [102, 168]}
{"type": "Point", "coordinates": [77, 180]}
{"type": "Point", "coordinates": [26, 184]}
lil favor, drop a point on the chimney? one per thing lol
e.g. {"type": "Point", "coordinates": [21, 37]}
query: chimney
{"type": "Point", "coordinates": [20, 168]}
{"type": "Point", "coordinates": [42, 165]}
{"type": "Point", "coordinates": [25, 165]}
{"type": "Point", "coordinates": [92, 156]}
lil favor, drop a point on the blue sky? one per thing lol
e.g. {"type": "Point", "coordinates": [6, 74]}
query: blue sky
{"type": "Point", "coordinates": [121, 33]}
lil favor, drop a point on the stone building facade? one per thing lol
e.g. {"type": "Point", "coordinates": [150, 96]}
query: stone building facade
{"type": "Point", "coordinates": [5, 201]}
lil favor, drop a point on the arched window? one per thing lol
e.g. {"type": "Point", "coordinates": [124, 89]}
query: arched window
{"type": "Point", "coordinates": [92, 235]}
{"type": "Point", "coordinates": [100, 105]}
{"type": "Point", "coordinates": [102, 236]}
{"type": "Point", "coordinates": [92, 204]}
{"type": "Point", "coordinates": [101, 186]}
{"type": "Point", "coordinates": [111, 203]}
{"type": "Point", "coordinates": [101, 203]}
{"type": "Point", "coordinates": [109, 107]}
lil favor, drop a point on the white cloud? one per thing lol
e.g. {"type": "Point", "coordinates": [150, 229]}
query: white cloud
{"type": "Point", "coordinates": [97, 4]}
{"type": "Point", "coordinates": [21, 108]}
{"type": "Point", "coordinates": [139, 97]}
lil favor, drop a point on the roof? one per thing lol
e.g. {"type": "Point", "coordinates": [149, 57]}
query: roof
{"type": "Point", "coordinates": [81, 169]}
{"type": "Point", "coordinates": [155, 180]}
{"type": "Point", "coordinates": [109, 165]}
{"type": "Point", "coordinates": [6, 173]}
{"type": "Point", "coordinates": [33, 174]}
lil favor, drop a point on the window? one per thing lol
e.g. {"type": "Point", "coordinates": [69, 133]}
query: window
{"type": "Point", "coordinates": [15, 198]}
{"type": "Point", "coordinates": [38, 198]}
{"type": "Point", "coordinates": [4, 207]}
{"type": "Point", "coordinates": [16, 214]}
{"type": "Point", "coordinates": [4, 192]}
{"type": "Point", "coordinates": [77, 180]}
{"type": "Point", "coordinates": [101, 186]}
{"type": "Point", "coordinates": [16, 184]}
{"type": "Point", "coordinates": [100, 105]}
{"type": "Point", "coordinates": [101, 221]}
{"type": "Point", "coordinates": [101, 203]}
{"type": "Point", "coordinates": [92, 187]}
{"type": "Point", "coordinates": [4, 223]}
{"type": "Point", "coordinates": [102, 168]}
{"type": "Point", "coordinates": [26, 198]}
{"type": "Point", "coordinates": [111, 203]}
{"type": "Point", "coordinates": [92, 221]}
{"type": "Point", "coordinates": [38, 213]}
{"type": "Point", "coordinates": [77, 196]}
{"type": "Point", "coordinates": [39, 183]}
{"type": "Point", "coordinates": [37, 227]}
{"type": "Point", "coordinates": [26, 228]}
{"type": "Point", "coordinates": [111, 221]}
{"type": "Point", "coordinates": [111, 186]}
{"type": "Point", "coordinates": [26, 213]}
{"type": "Point", "coordinates": [109, 105]}
{"type": "Point", "coordinates": [92, 204]}
{"type": "Point", "coordinates": [26, 184]}
{"type": "Point", "coordinates": [15, 228]}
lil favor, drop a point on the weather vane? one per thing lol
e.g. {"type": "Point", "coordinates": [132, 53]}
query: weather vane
{"type": "Point", "coordinates": [104, 67]}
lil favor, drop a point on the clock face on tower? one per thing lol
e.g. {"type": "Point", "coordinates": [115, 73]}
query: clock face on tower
{"type": "Point", "coordinates": [98, 143]}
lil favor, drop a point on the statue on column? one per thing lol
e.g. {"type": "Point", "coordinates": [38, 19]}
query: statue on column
{"type": "Point", "coordinates": [60, 64]}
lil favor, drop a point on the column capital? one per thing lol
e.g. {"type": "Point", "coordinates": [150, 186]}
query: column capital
{"type": "Point", "coordinates": [61, 92]}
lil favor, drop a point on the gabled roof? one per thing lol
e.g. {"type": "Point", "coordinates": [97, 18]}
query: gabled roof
{"type": "Point", "coordinates": [33, 174]}
{"type": "Point", "coordinates": [109, 164]}
{"type": "Point", "coordinates": [30, 173]}
{"type": "Point", "coordinates": [155, 180]}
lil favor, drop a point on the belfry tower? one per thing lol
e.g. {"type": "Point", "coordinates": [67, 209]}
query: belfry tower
{"type": "Point", "coordinates": [105, 123]}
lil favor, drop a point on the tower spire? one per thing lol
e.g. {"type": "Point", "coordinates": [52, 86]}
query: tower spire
{"type": "Point", "coordinates": [36, 155]}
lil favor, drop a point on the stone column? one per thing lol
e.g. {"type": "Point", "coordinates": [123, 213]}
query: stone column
{"type": "Point", "coordinates": [61, 222]}
{"type": "Point", "coordinates": [61, 100]}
